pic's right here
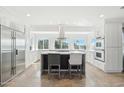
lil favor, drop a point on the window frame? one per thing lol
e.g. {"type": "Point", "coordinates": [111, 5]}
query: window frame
{"type": "Point", "coordinates": [61, 45]}
{"type": "Point", "coordinates": [43, 44]}
{"type": "Point", "coordinates": [79, 46]}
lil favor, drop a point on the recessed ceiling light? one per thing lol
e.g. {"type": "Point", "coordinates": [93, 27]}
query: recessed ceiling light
{"type": "Point", "coordinates": [28, 14]}
{"type": "Point", "coordinates": [101, 16]}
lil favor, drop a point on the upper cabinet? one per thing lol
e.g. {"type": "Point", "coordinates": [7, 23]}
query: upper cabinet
{"type": "Point", "coordinates": [113, 35]}
{"type": "Point", "coordinates": [99, 31]}
{"type": "Point", "coordinates": [100, 34]}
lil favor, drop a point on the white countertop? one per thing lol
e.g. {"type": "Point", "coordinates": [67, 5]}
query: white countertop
{"type": "Point", "coordinates": [60, 52]}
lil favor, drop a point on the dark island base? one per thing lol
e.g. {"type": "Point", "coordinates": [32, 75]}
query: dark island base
{"type": "Point", "coordinates": [63, 63]}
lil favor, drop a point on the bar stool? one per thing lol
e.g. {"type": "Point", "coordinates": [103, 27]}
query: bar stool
{"type": "Point", "coordinates": [53, 61]}
{"type": "Point", "coordinates": [75, 60]}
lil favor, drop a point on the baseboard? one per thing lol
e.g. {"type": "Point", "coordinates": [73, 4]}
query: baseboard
{"type": "Point", "coordinates": [114, 71]}
{"type": "Point", "coordinates": [37, 61]}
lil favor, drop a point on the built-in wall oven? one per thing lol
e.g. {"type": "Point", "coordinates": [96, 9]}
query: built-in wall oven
{"type": "Point", "coordinates": [100, 43]}
{"type": "Point", "coordinates": [99, 55]}
{"type": "Point", "coordinates": [100, 51]}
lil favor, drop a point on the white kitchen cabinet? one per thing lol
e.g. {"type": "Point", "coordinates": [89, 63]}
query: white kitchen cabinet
{"type": "Point", "coordinates": [99, 64]}
{"type": "Point", "coordinates": [113, 60]}
{"type": "Point", "coordinates": [90, 56]}
{"type": "Point", "coordinates": [91, 59]}
{"type": "Point", "coordinates": [0, 20]}
{"type": "Point", "coordinates": [120, 59]}
{"type": "Point", "coordinates": [113, 46]}
{"type": "Point", "coordinates": [113, 36]}
{"type": "Point", "coordinates": [100, 33]}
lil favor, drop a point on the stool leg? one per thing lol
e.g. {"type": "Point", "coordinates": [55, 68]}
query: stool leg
{"type": "Point", "coordinates": [59, 71]}
{"type": "Point", "coordinates": [48, 71]}
{"type": "Point", "coordinates": [77, 68]}
{"type": "Point", "coordinates": [80, 70]}
{"type": "Point", "coordinates": [70, 70]}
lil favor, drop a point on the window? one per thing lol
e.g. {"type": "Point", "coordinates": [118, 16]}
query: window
{"type": "Point", "coordinates": [64, 45]}
{"type": "Point", "coordinates": [40, 44]}
{"type": "Point", "coordinates": [43, 44]}
{"type": "Point", "coordinates": [57, 44]}
{"type": "Point", "coordinates": [93, 41]}
{"type": "Point", "coordinates": [61, 44]}
{"type": "Point", "coordinates": [46, 44]}
{"type": "Point", "coordinates": [80, 44]}
{"type": "Point", "coordinates": [76, 46]}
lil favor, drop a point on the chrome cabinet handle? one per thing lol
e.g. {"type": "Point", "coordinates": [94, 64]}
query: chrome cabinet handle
{"type": "Point", "coordinates": [16, 52]}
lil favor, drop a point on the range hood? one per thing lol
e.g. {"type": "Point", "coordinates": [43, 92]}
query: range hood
{"type": "Point", "coordinates": [61, 32]}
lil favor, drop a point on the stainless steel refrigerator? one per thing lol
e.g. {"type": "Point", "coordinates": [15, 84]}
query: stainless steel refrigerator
{"type": "Point", "coordinates": [123, 46]}
{"type": "Point", "coordinates": [12, 53]}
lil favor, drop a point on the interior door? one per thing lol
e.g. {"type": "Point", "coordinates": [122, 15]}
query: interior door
{"type": "Point", "coordinates": [20, 52]}
{"type": "Point", "coordinates": [6, 51]}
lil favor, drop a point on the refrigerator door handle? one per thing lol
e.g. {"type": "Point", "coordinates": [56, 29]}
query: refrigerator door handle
{"type": "Point", "coordinates": [16, 52]}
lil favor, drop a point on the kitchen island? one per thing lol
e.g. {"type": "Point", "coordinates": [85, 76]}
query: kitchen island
{"type": "Point", "coordinates": [64, 60]}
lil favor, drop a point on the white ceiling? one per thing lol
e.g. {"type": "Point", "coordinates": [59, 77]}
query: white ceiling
{"type": "Point", "coordinates": [72, 15]}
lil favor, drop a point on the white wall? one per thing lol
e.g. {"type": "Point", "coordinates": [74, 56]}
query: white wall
{"type": "Point", "coordinates": [28, 62]}
{"type": "Point", "coordinates": [31, 55]}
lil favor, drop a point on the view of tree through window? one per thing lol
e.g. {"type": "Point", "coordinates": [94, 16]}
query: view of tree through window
{"type": "Point", "coordinates": [61, 44]}
{"type": "Point", "coordinates": [80, 44]}
{"type": "Point", "coordinates": [43, 44]}
{"type": "Point", "coordinates": [57, 44]}
{"type": "Point", "coordinates": [40, 44]}
{"type": "Point", "coordinates": [76, 46]}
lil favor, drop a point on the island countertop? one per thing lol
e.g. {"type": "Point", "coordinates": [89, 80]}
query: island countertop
{"type": "Point", "coordinates": [62, 52]}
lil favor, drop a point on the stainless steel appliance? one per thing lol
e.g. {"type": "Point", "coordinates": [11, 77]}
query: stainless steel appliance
{"type": "Point", "coordinates": [12, 53]}
{"type": "Point", "coordinates": [100, 43]}
{"type": "Point", "coordinates": [100, 51]}
{"type": "Point", "coordinates": [99, 55]}
{"type": "Point", "coordinates": [123, 45]}
{"type": "Point", "coordinates": [20, 52]}
{"type": "Point", "coordinates": [5, 54]}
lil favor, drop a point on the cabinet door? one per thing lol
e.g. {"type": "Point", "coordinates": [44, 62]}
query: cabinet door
{"type": "Point", "coordinates": [113, 60]}
{"type": "Point", "coordinates": [6, 52]}
{"type": "Point", "coordinates": [20, 52]}
{"type": "Point", "coordinates": [113, 35]}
